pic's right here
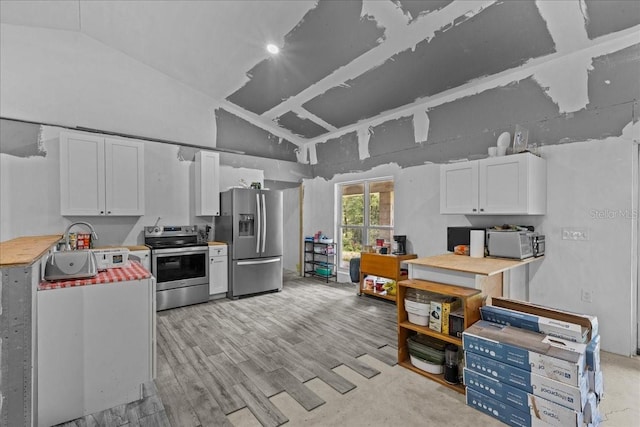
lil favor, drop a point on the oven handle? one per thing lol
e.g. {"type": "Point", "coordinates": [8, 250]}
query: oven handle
{"type": "Point", "coordinates": [265, 261]}
{"type": "Point", "coordinates": [179, 251]}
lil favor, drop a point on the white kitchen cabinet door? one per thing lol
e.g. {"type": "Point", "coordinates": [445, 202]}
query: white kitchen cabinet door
{"type": "Point", "coordinates": [459, 188]}
{"type": "Point", "coordinates": [95, 348]}
{"type": "Point", "coordinates": [207, 183]}
{"type": "Point", "coordinates": [124, 177]}
{"type": "Point", "coordinates": [513, 185]}
{"type": "Point", "coordinates": [101, 176]}
{"type": "Point", "coordinates": [82, 186]}
{"type": "Point", "coordinates": [218, 270]}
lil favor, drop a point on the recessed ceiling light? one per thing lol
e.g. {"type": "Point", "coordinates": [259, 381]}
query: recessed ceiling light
{"type": "Point", "coordinates": [272, 48]}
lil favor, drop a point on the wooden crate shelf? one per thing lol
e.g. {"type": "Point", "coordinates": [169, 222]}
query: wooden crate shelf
{"type": "Point", "coordinates": [472, 300]}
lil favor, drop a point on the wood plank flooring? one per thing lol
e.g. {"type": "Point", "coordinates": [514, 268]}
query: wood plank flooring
{"type": "Point", "coordinates": [219, 357]}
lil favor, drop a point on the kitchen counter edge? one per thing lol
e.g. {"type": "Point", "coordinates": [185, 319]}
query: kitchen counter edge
{"type": "Point", "coordinates": [25, 250]}
{"type": "Point", "coordinates": [487, 266]}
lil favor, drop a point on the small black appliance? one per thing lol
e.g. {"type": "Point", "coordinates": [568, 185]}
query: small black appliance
{"type": "Point", "coordinates": [400, 245]}
{"type": "Point", "coordinates": [451, 364]}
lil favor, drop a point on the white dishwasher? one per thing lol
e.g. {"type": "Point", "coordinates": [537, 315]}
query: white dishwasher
{"type": "Point", "coordinates": [218, 271]}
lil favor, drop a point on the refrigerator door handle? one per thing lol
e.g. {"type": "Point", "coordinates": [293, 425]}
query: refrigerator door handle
{"type": "Point", "coordinates": [264, 261]}
{"type": "Point", "coordinates": [264, 223]}
{"type": "Point", "coordinates": [259, 224]}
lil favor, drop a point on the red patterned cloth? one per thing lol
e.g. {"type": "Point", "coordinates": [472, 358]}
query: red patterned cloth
{"type": "Point", "coordinates": [134, 271]}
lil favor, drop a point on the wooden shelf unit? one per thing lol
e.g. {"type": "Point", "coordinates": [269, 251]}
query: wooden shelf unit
{"type": "Point", "coordinates": [472, 300]}
{"type": "Point", "coordinates": [382, 265]}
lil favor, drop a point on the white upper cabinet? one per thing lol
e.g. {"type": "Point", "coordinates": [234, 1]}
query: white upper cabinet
{"type": "Point", "coordinates": [207, 183]}
{"type": "Point", "coordinates": [506, 185]}
{"type": "Point", "coordinates": [101, 176]}
{"type": "Point", "coordinates": [459, 188]}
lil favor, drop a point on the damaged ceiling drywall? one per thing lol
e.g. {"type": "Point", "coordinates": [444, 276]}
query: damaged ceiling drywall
{"type": "Point", "coordinates": [359, 82]}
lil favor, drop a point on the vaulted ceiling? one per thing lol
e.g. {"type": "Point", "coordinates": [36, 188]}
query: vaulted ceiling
{"type": "Point", "coordinates": [342, 63]}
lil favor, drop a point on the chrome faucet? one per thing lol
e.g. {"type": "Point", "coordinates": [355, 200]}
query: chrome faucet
{"type": "Point", "coordinates": [67, 247]}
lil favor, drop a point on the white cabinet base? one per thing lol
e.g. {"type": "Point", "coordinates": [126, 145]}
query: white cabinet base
{"type": "Point", "coordinates": [95, 348]}
{"type": "Point", "coordinates": [218, 272]}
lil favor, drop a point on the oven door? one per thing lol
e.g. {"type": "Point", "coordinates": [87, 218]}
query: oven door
{"type": "Point", "coordinates": [180, 267]}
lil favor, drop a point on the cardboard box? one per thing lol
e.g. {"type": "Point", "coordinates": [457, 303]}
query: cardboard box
{"type": "Point", "coordinates": [501, 411]}
{"type": "Point", "coordinates": [593, 354]}
{"type": "Point", "coordinates": [543, 409]}
{"type": "Point", "coordinates": [540, 354]}
{"type": "Point", "coordinates": [574, 398]}
{"type": "Point", "coordinates": [557, 328]}
{"type": "Point", "coordinates": [587, 321]}
{"type": "Point", "coordinates": [448, 306]}
{"type": "Point", "coordinates": [435, 316]}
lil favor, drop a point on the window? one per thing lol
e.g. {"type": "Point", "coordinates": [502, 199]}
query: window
{"type": "Point", "coordinates": [366, 214]}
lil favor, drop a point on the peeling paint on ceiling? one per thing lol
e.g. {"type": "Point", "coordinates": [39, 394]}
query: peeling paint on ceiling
{"type": "Point", "coordinates": [466, 127]}
{"type": "Point", "coordinates": [501, 37]}
{"type": "Point", "coordinates": [417, 8]}
{"type": "Point", "coordinates": [300, 126]}
{"type": "Point", "coordinates": [355, 72]}
{"type": "Point", "coordinates": [606, 17]}
{"type": "Point", "coordinates": [240, 135]}
{"type": "Point", "coordinates": [328, 37]}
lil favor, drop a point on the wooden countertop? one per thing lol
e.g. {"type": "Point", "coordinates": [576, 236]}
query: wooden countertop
{"type": "Point", "coordinates": [25, 250]}
{"type": "Point", "coordinates": [217, 244]}
{"type": "Point", "coordinates": [487, 266]}
{"type": "Point", "coordinates": [398, 257]}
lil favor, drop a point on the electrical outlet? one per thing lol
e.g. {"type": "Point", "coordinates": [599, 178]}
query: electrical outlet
{"type": "Point", "coordinates": [587, 296]}
{"type": "Point", "coordinates": [581, 234]}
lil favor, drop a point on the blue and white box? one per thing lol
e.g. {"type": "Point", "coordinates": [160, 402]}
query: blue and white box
{"type": "Point", "coordinates": [547, 411]}
{"type": "Point", "coordinates": [531, 322]}
{"type": "Point", "coordinates": [563, 394]}
{"type": "Point", "coordinates": [540, 354]}
{"type": "Point", "coordinates": [501, 411]}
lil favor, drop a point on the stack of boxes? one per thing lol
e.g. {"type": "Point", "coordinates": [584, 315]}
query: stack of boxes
{"type": "Point", "coordinates": [528, 365]}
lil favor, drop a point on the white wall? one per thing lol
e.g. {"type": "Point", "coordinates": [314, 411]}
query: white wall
{"type": "Point", "coordinates": [67, 78]}
{"type": "Point", "coordinates": [584, 179]}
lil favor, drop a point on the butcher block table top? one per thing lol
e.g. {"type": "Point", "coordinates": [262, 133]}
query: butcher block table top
{"type": "Point", "coordinates": [217, 244]}
{"type": "Point", "coordinates": [134, 271]}
{"type": "Point", "coordinates": [25, 250]}
{"type": "Point", "coordinates": [487, 266]}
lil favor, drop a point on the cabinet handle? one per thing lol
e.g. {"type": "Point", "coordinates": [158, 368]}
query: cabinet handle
{"type": "Point", "coordinates": [481, 210]}
{"type": "Point", "coordinates": [474, 209]}
{"type": "Point", "coordinates": [101, 212]}
{"type": "Point", "coordinates": [108, 212]}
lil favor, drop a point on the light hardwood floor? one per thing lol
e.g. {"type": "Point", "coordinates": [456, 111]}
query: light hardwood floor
{"type": "Point", "coordinates": [222, 356]}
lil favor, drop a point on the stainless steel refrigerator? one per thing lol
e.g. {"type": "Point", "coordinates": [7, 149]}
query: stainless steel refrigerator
{"type": "Point", "coordinates": [251, 223]}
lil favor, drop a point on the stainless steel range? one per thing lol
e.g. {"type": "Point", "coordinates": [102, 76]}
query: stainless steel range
{"type": "Point", "coordinates": [180, 264]}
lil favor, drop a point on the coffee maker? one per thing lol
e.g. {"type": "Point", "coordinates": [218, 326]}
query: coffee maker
{"type": "Point", "coordinates": [399, 245]}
